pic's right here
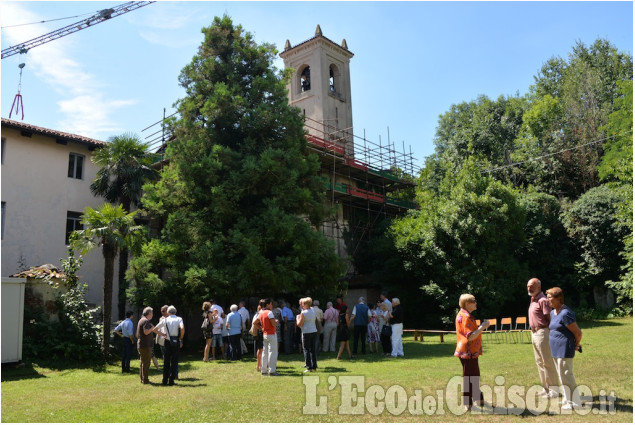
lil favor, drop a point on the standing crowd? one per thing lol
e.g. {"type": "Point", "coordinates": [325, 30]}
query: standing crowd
{"type": "Point", "coordinates": [555, 337]}
{"type": "Point", "coordinates": [273, 327]}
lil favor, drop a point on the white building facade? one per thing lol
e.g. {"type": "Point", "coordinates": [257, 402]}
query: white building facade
{"type": "Point", "coordinates": [46, 177]}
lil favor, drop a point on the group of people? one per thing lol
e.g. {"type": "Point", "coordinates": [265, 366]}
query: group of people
{"type": "Point", "coordinates": [555, 336]}
{"type": "Point", "coordinates": [224, 332]}
{"type": "Point", "coordinates": [168, 334]}
{"type": "Point", "coordinates": [276, 325]}
{"type": "Point", "coordinates": [555, 339]}
{"type": "Point", "coordinates": [372, 324]}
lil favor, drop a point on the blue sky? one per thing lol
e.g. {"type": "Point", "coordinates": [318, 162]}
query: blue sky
{"type": "Point", "coordinates": [412, 61]}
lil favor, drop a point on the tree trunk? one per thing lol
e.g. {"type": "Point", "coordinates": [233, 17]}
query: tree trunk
{"type": "Point", "coordinates": [123, 283]}
{"type": "Point", "coordinates": [109, 271]}
{"type": "Point", "coordinates": [123, 266]}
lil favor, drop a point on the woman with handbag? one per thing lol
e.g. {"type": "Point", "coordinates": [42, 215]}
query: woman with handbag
{"type": "Point", "coordinates": [343, 333]}
{"type": "Point", "coordinates": [385, 330]}
{"type": "Point", "coordinates": [207, 327]}
{"type": "Point", "coordinates": [256, 332]}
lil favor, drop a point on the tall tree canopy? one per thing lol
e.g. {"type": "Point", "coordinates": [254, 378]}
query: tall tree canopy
{"type": "Point", "coordinates": [555, 146]}
{"type": "Point", "coordinates": [464, 239]}
{"type": "Point", "coordinates": [241, 194]}
{"type": "Point", "coordinates": [560, 141]}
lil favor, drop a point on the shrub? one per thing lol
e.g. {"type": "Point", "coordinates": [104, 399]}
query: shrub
{"type": "Point", "coordinates": [76, 335]}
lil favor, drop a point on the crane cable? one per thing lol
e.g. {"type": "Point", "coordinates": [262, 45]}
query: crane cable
{"type": "Point", "coordinates": [49, 20]}
{"type": "Point", "coordinates": [101, 16]}
{"type": "Point", "coordinates": [17, 100]}
{"type": "Point", "coordinates": [556, 153]}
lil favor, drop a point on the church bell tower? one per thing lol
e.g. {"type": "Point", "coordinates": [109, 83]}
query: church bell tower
{"type": "Point", "coordinates": [321, 88]}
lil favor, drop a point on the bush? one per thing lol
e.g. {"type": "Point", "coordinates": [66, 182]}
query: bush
{"type": "Point", "coordinates": [589, 314]}
{"type": "Point", "coordinates": [76, 335]}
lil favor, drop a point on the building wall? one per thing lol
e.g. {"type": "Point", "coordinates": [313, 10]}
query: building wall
{"type": "Point", "coordinates": [37, 194]}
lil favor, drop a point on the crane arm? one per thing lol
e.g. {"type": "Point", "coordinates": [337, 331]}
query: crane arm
{"type": "Point", "coordinates": [101, 16]}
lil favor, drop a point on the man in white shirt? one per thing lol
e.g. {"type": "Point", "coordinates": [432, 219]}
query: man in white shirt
{"type": "Point", "coordinates": [221, 313]}
{"type": "Point", "coordinates": [175, 330]}
{"type": "Point", "coordinates": [161, 326]}
{"type": "Point", "coordinates": [319, 315]}
{"type": "Point", "coordinates": [244, 313]}
{"type": "Point", "coordinates": [246, 319]}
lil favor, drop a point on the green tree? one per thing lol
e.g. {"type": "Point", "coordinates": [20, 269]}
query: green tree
{"type": "Point", "coordinates": [591, 222]}
{"type": "Point", "coordinates": [559, 144]}
{"type": "Point", "coordinates": [483, 128]}
{"type": "Point", "coordinates": [125, 166]}
{"type": "Point", "coordinates": [547, 249]}
{"type": "Point", "coordinates": [112, 229]}
{"type": "Point", "coordinates": [617, 162]}
{"type": "Point", "coordinates": [616, 168]}
{"type": "Point", "coordinates": [466, 238]}
{"type": "Point", "coordinates": [241, 197]}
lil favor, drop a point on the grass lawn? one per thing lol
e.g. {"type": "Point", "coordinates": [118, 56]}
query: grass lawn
{"type": "Point", "coordinates": [235, 392]}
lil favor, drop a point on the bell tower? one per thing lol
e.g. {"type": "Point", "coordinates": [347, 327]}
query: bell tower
{"type": "Point", "coordinates": [321, 87]}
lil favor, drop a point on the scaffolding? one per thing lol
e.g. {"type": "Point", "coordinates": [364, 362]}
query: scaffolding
{"type": "Point", "coordinates": [364, 182]}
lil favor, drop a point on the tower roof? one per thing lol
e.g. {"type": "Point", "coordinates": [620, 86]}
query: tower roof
{"type": "Point", "coordinates": [318, 35]}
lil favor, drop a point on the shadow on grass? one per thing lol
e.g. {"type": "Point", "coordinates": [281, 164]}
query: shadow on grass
{"type": "Point", "coordinates": [589, 324]}
{"type": "Point", "coordinates": [20, 371]}
{"type": "Point", "coordinates": [185, 382]}
{"type": "Point", "coordinates": [594, 405]}
{"type": "Point", "coordinates": [612, 404]}
{"type": "Point", "coordinates": [26, 370]}
{"type": "Point", "coordinates": [330, 369]}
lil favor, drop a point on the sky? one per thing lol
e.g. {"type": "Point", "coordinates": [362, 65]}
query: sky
{"type": "Point", "coordinates": [412, 60]}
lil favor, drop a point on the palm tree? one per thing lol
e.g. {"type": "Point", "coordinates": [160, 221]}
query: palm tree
{"type": "Point", "coordinates": [114, 230]}
{"type": "Point", "coordinates": [125, 166]}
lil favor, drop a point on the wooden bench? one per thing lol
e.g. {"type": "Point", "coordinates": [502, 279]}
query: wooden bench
{"type": "Point", "coordinates": [418, 333]}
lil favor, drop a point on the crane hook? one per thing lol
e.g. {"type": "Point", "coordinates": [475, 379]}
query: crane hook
{"type": "Point", "coordinates": [17, 100]}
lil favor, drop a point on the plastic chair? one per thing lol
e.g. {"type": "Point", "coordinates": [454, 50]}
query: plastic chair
{"type": "Point", "coordinates": [522, 320]}
{"type": "Point", "coordinates": [494, 323]}
{"type": "Point", "coordinates": [505, 321]}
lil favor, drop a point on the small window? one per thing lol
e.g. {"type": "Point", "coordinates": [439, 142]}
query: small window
{"type": "Point", "coordinates": [334, 79]}
{"type": "Point", "coordinates": [75, 166]}
{"type": "Point", "coordinates": [4, 140]}
{"type": "Point", "coordinates": [331, 79]}
{"type": "Point", "coordinates": [4, 207]}
{"type": "Point", "coordinates": [305, 79]}
{"type": "Point", "coordinates": [73, 222]}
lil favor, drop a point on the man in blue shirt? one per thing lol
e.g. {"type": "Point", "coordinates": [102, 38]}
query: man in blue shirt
{"type": "Point", "coordinates": [289, 327]}
{"type": "Point", "coordinates": [234, 325]}
{"type": "Point", "coordinates": [125, 330]}
{"type": "Point", "coordinates": [359, 317]}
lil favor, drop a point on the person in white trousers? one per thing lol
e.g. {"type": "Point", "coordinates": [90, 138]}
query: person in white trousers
{"type": "Point", "coordinates": [396, 322]}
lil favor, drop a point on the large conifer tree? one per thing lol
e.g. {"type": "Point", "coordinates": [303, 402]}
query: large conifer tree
{"type": "Point", "coordinates": [241, 197]}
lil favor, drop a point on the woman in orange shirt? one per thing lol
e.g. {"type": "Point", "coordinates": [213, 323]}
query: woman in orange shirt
{"type": "Point", "coordinates": [468, 348]}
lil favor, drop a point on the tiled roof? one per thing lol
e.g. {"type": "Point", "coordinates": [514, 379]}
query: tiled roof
{"type": "Point", "coordinates": [41, 272]}
{"type": "Point", "coordinates": [52, 133]}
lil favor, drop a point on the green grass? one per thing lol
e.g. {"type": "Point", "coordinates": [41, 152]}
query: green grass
{"type": "Point", "coordinates": [235, 392]}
